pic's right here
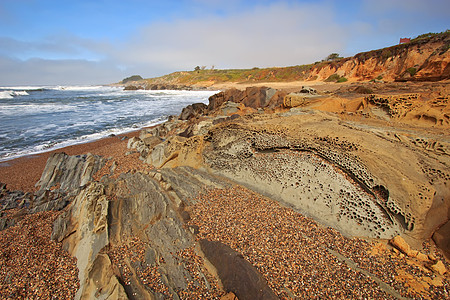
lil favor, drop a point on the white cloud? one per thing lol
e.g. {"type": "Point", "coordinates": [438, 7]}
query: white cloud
{"type": "Point", "coordinates": [43, 72]}
{"type": "Point", "coordinates": [63, 45]}
{"type": "Point", "coordinates": [275, 35]}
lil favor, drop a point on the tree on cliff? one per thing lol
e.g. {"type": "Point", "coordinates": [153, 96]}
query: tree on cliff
{"type": "Point", "coordinates": [333, 56]}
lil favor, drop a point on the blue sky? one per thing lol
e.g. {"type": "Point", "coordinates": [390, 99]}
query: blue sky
{"type": "Point", "coordinates": [94, 42]}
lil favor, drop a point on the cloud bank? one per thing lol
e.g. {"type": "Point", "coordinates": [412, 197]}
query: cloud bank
{"type": "Point", "coordinates": [276, 35]}
{"type": "Point", "coordinates": [231, 34]}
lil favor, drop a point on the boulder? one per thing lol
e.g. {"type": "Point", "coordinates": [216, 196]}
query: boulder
{"type": "Point", "coordinates": [193, 110]}
{"type": "Point", "coordinates": [308, 90]}
{"type": "Point", "coordinates": [298, 99]}
{"type": "Point", "coordinates": [295, 100]}
{"type": "Point", "coordinates": [133, 142]}
{"type": "Point", "coordinates": [233, 95]}
{"type": "Point", "coordinates": [139, 145]}
{"type": "Point", "coordinates": [276, 100]}
{"type": "Point", "coordinates": [254, 97]}
{"type": "Point", "coordinates": [151, 141]}
{"type": "Point", "coordinates": [69, 172]}
{"type": "Point", "coordinates": [133, 88]}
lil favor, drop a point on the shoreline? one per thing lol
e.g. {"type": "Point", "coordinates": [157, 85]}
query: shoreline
{"type": "Point", "coordinates": [22, 173]}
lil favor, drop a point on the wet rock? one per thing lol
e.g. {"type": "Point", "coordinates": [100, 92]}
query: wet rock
{"type": "Point", "coordinates": [237, 274]}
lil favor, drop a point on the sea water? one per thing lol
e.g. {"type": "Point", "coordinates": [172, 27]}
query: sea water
{"type": "Point", "coordinates": [38, 119]}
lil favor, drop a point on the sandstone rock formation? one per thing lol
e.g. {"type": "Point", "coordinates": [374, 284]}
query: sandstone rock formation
{"type": "Point", "coordinates": [254, 97]}
{"type": "Point", "coordinates": [426, 59]}
{"type": "Point", "coordinates": [316, 177]}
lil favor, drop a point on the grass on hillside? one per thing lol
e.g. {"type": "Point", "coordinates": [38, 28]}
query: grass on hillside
{"type": "Point", "coordinates": [292, 73]}
{"type": "Point", "coordinates": [236, 75]}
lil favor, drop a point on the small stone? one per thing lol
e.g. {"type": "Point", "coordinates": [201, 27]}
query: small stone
{"type": "Point", "coordinates": [437, 281]}
{"type": "Point", "coordinates": [229, 296]}
{"type": "Point", "coordinates": [158, 176]}
{"type": "Point", "coordinates": [421, 256]}
{"type": "Point", "coordinates": [439, 268]}
{"type": "Point", "coordinates": [399, 243]}
{"type": "Point", "coordinates": [412, 253]}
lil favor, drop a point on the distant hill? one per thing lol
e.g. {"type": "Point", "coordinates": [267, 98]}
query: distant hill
{"type": "Point", "coordinates": [426, 57]}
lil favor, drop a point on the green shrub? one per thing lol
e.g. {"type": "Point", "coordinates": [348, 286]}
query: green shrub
{"type": "Point", "coordinates": [335, 78]}
{"type": "Point", "coordinates": [411, 71]}
{"type": "Point", "coordinates": [132, 78]}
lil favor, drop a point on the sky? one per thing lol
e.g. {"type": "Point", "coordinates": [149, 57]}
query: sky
{"type": "Point", "coordinates": [45, 42]}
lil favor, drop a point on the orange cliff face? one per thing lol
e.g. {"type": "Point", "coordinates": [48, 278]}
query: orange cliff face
{"type": "Point", "coordinates": [422, 60]}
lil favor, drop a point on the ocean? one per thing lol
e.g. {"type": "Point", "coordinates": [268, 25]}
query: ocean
{"type": "Point", "coordinates": [39, 119]}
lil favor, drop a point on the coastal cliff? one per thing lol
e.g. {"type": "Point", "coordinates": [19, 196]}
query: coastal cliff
{"type": "Point", "coordinates": [421, 59]}
{"type": "Point", "coordinates": [425, 58]}
{"type": "Point", "coordinates": [261, 193]}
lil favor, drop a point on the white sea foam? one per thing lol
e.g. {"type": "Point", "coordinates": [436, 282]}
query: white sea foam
{"type": "Point", "coordinates": [27, 109]}
{"type": "Point", "coordinates": [11, 94]}
{"type": "Point", "coordinates": [50, 146]}
{"type": "Point", "coordinates": [84, 87]}
{"type": "Point", "coordinates": [6, 95]}
{"type": "Point", "coordinates": [25, 88]}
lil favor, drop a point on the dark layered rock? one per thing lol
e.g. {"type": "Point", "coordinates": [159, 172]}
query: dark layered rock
{"type": "Point", "coordinates": [164, 86]}
{"type": "Point", "coordinates": [232, 95]}
{"type": "Point", "coordinates": [237, 274]}
{"type": "Point", "coordinates": [97, 229]}
{"type": "Point", "coordinates": [13, 199]}
{"type": "Point", "coordinates": [69, 172]}
{"type": "Point", "coordinates": [193, 110]}
{"type": "Point", "coordinates": [254, 97]}
{"type": "Point", "coordinates": [60, 181]}
{"type": "Point", "coordinates": [133, 88]}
